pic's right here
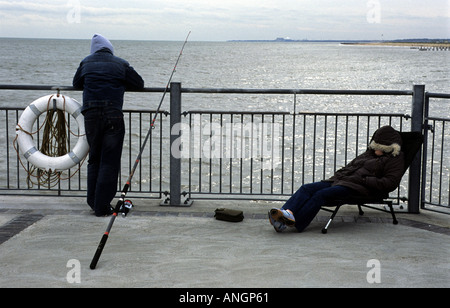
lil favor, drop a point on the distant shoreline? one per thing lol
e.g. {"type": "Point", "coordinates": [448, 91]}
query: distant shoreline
{"type": "Point", "coordinates": [400, 44]}
{"type": "Point", "coordinates": [412, 43]}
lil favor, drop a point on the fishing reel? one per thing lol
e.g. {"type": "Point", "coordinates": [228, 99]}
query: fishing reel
{"type": "Point", "coordinates": [126, 207]}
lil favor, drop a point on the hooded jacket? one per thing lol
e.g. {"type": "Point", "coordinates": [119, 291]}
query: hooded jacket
{"type": "Point", "coordinates": [373, 175]}
{"type": "Point", "coordinates": [104, 78]}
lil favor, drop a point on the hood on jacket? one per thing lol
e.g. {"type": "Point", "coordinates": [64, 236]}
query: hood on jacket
{"type": "Point", "coordinates": [100, 42]}
{"type": "Point", "coordinates": [387, 140]}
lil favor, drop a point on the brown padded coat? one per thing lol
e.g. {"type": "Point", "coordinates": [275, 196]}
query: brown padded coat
{"type": "Point", "coordinates": [372, 175]}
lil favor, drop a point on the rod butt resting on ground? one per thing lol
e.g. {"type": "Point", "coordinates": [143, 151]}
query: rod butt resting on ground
{"type": "Point", "coordinates": [99, 251]}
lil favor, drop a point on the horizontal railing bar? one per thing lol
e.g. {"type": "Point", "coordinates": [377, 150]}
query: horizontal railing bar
{"type": "Point", "coordinates": [438, 119]}
{"type": "Point", "coordinates": [363, 114]}
{"type": "Point", "coordinates": [235, 112]}
{"type": "Point", "coordinates": [295, 91]}
{"type": "Point", "coordinates": [61, 88]}
{"type": "Point", "coordinates": [36, 87]}
{"type": "Point", "coordinates": [236, 91]}
{"type": "Point", "coordinates": [437, 95]}
{"type": "Point", "coordinates": [406, 116]}
{"type": "Point", "coordinates": [225, 90]}
{"type": "Point", "coordinates": [149, 111]}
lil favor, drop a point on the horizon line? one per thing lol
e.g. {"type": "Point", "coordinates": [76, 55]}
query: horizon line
{"type": "Point", "coordinates": [281, 40]}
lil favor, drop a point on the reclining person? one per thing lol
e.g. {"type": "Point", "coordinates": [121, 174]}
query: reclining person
{"type": "Point", "coordinates": [376, 172]}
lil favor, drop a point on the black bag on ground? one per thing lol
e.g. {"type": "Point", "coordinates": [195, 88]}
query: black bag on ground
{"type": "Point", "coordinates": [229, 215]}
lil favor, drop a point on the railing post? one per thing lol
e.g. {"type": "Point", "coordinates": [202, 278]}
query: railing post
{"type": "Point", "coordinates": [175, 159]}
{"type": "Point", "coordinates": [415, 169]}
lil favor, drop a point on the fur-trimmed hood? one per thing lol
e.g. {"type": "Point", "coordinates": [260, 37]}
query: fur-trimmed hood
{"type": "Point", "coordinates": [387, 140]}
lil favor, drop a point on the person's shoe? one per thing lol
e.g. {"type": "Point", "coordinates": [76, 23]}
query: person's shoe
{"type": "Point", "coordinates": [108, 213]}
{"type": "Point", "coordinates": [277, 225]}
{"type": "Point", "coordinates": [282, 216]}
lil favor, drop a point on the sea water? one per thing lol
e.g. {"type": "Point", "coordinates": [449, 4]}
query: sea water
{"type": "Point", "coordinates": [252, 65]}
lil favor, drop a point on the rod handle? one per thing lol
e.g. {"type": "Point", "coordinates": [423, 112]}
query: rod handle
{"type": "Point", "coordinates": [99, 251]}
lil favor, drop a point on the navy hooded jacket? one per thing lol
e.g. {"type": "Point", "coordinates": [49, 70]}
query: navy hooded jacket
{"type": "Point", "coordinates": [104, 78]}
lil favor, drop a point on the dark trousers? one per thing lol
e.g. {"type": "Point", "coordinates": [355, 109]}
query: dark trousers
{"type": "Point", "coordinates": [306, 202]}
{"type": "Point", "coordinates": [105, 131]}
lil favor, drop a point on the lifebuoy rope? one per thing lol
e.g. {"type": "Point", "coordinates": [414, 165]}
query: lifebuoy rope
{"type": "Point", "coordinates": [54, 144]}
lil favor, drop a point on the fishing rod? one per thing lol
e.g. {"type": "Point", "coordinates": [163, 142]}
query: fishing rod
{"type": "Point", "coordinates": [121, 202]}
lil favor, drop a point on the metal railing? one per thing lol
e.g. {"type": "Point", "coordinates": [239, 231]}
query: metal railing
{"type": "Point", "coordinates": [17, 175]}
{"type": "Point", "coordinates": [256, 155]}
{"type": "Point", "coordinates": [435, 189]}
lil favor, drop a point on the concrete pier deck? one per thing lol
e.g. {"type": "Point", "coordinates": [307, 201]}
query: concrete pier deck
{"type": "Point", "coordinates": [50, 242]}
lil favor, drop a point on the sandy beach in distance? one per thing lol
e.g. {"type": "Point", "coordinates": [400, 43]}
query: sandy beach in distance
{"type": "Point", "coordinates": [417, 45]}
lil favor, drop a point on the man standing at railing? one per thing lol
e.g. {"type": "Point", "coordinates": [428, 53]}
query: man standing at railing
{"type": "Point", "coordinates": [104, 78]}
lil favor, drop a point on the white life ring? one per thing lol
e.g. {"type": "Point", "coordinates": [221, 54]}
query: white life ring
{"type": "Point", "coordinates": [27, 145]}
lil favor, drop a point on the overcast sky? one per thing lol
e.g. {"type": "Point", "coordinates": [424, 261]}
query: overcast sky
{"type": "Point", "coordinates": [214, 20]}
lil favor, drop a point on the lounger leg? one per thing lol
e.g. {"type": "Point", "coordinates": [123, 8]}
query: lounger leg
{"type": "Point", "coordinates": [361, 212]}
{"type": "Point", "coordinates": [325, 229]}
{"type": "Point", "coordinates": [389, 203]}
